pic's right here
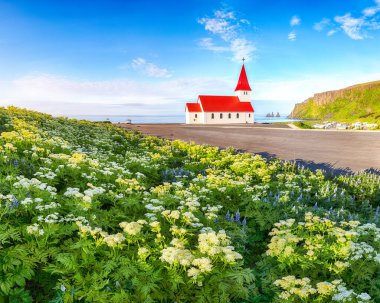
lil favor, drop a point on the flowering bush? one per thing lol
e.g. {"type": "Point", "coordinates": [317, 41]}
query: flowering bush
{"type": "Point", "coordinates": [93, 213]}
{"type": "Point", "coordinates": [318, 248]}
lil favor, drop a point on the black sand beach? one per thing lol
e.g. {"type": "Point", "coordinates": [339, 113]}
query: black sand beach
{"type": "Point", "coordinates": [334, 151]}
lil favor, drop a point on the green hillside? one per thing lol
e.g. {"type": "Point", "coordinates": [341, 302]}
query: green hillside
{"type": "Point", "coordinates": [355, 103]}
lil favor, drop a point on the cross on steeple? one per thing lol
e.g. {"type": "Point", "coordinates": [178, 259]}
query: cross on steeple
{"type": "Point", "coordinates": [243, 60]}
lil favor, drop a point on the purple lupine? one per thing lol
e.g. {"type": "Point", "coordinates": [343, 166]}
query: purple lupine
{"type": "Point", "coordinates": [228, 216]}
{"type": "Point", "coordinates": [244, 222]}
{"type": "Point", "coordinates": [237, 219]}
{"type": "Point", "coordinates": [15, 202]}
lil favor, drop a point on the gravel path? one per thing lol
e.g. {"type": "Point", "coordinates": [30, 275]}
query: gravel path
{"type": "Point", "coordinates": [334, 151]}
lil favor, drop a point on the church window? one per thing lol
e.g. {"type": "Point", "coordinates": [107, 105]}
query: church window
{"type": "Point", "coordinates": [229, 116]}
{"type": "Point", "coordinates": [237, 115]}
{"type": "Point", "coordinates": [212, 116]}
{"type": "Point", "coordinates": [249, 115]}
{"type": "Point", "coordinates": [221, 116]}
{"type": "Point", "coordinates": [196, 115]}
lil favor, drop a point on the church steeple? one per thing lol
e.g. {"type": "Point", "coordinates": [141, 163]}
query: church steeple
{"type": "Point", "coordinates": [243, 90]}
{"type": "Point", "coordinates": [243, 83]}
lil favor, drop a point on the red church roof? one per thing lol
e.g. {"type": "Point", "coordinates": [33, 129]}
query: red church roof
{"type": "Point", "coordinates": [220, 104]}
{"type": "Point", "coordinates": [243, 83]}
{"type": "Point", "coordinates": [194, 107]}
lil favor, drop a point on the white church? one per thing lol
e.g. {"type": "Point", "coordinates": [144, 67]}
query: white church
{"type": "Point", "coordinates": [223, 109]}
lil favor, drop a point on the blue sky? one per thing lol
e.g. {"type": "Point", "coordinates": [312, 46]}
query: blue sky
{"type": "Point", "coordinates": [150, 57]}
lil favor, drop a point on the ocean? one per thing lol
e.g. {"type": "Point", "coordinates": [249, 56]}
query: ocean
{"type": "Point", "coordinates": [163, 119]}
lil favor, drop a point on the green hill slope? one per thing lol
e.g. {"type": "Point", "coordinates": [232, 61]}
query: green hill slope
{"type": "Point", "coordinates": [355, 103]}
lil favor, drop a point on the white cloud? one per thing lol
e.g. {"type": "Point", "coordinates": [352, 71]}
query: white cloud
{"type": "Point", "coordinates": [149, 69]}
{"type": "Point", "coordinates": [371, 11]}
{"type": "Point", "coordinates": [221, 27]}
{"type": "Point", "coordinates": [61, 95]}
{"type": "Point", "coordinates": [242, 48]}
{"type": "Point", "coordinates": [222, 24]}
{"type": "Point", "coordinates": [292, 36]}
{"type": "Point", "coordinates": [353, 27]}
{"type": "Point", "coordinates": [245, 21]}
{"type": "Point", "coordinates": [226, 26]}
{"type": "Point", "coordinates": [208, 43]}
{"type": "Point", "coordinates": [295, 20]}
{"type": "Point", "coordinates": [331, 32]}
{"type": "Point", "coordinates": [223, 14]}
{"type": "Point", "coordinates": [320, 26]}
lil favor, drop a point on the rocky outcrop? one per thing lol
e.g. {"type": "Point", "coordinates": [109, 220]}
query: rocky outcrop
{"type": "Point", "coordinates": [322, 99]}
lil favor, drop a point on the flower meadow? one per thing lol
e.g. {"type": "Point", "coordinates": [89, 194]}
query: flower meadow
{"type": "Point", "coordinates": [91, 212]}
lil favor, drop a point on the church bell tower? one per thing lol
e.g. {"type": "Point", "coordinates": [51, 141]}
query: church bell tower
{"type": "Point", "coordinates": [243, 90]}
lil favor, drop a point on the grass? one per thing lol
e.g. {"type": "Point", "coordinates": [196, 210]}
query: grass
{"type": "Point", "coordinates": [305, 124]}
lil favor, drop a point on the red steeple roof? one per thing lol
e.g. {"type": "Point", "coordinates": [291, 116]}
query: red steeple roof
{"type": "Point", "coordinates": [243, 83]}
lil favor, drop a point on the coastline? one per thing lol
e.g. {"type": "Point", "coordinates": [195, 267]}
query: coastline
{"type": "Point", "coordinates": [166, 119]}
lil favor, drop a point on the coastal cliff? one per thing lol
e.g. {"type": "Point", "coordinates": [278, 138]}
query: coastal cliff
{"type": "Point", "coordinates": [358, 102]}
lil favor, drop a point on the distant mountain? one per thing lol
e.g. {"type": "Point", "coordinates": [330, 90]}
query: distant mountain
{"type": "Point", "coordinates": [360, 102]}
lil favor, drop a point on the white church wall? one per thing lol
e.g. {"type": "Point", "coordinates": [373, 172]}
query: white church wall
{"type": "Point", "coordinates": [243, 95]}
{"type": "Point", "coordinates": [250, 117]}
{"type": "Point", "coordinates": [243, 118]}
{"type": "Point", "coordinates": [194, 118]}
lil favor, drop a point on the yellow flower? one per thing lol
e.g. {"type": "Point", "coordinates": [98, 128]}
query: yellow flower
{"type": "Point", "coordinates": [174, 214]}
{"type": "Point", "coordinates": [143, 253]}
{"type": "Point", "coordinates": [77, 158]}
{"type": "Point", "coordinates": [114, 240]}
{"type": "Point", "coordinates": [132, 228]}
{"type": "Point", "coordinates": [10, 147]}
{"type": "Point", "coordinates": [193, 272]}
{"type": "Point", "coordinates": [325, 288]}
{"type": "Point", "coordinates": [174, 255]}
{"type": "Point", "coordinates": [204, 264]}
{"type": "Point", "coordinates": [288, 251]}
{"type": "Point", "coordinates": [155, 225]}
